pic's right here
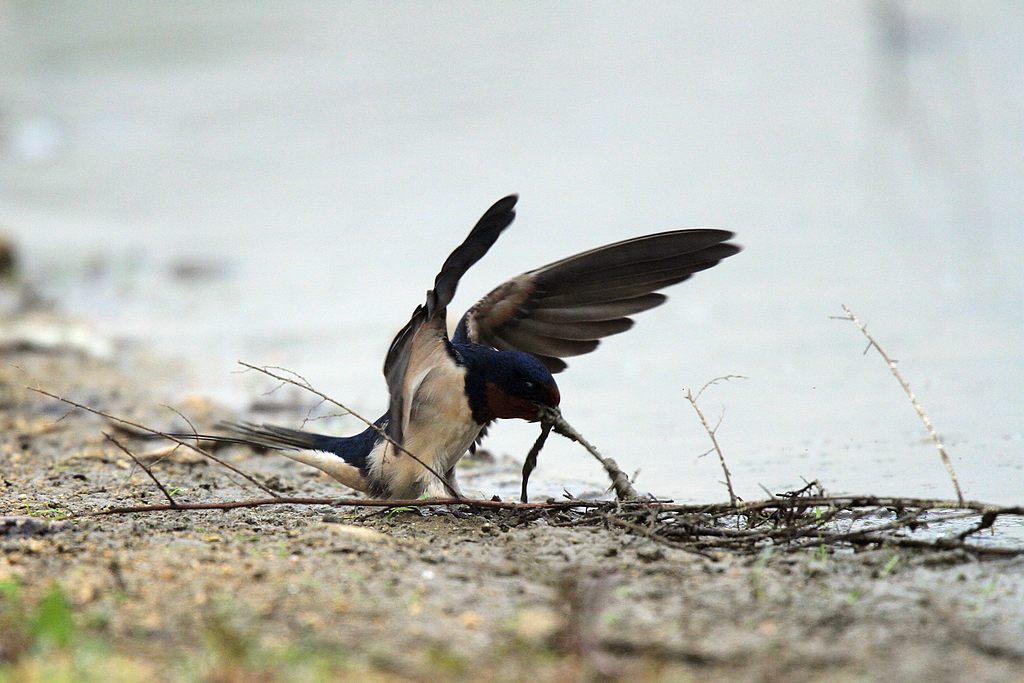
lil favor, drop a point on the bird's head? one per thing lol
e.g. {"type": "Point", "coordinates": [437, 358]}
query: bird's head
{"type": "Point", "coordinates": [517, 384]}
{"type": "Point", "coordinates": [509, 384]}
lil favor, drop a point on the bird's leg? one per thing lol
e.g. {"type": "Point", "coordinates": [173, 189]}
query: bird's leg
{"type": "Point", "coordinates": [453, 484]}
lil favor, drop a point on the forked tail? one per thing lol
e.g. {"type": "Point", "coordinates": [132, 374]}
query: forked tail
{"type": "Point", "coordinates": [344, 458]}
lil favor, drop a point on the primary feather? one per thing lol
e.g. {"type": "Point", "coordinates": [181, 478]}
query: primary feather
{"type": "Point", "coordinates": [565, 308]}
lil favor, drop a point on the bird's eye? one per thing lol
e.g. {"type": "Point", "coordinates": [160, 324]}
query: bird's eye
{"type": "Point", "coordinates": [529, 386]}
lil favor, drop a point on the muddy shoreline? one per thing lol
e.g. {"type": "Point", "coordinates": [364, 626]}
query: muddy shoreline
{"type": "Point", "coordinates": [307, 593]}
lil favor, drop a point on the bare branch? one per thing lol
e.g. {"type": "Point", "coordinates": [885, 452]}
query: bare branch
{"type": "Point", "coordinates": [148, 471]}
{"type": "Point", "coordinates": [918, 408]}
{"type": "Point", "coordinates": [156, 432]}
{"type": "Point", "coordinates": [351, 502]}
{"type": "Point", "coordinates": [309, 413]}
{"type": "Point", "coordinates": [795, 522]}
{"type": "Point", "coordinates": [713, 432]}
{"type": "Point", "coordinates": [182, 416]}
{"type": "Point", "coordinates": [716, 380]}
{"type": "Point", "coordinates": [777, 503]}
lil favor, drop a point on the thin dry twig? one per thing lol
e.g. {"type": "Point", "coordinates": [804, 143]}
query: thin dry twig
{"type": "Point", "coordinates": [713, 431]}
{"type": "Point", "coordinates": [918, 408]}
{"type": "Point", "coordinates": [303, 383]}
{"type": "Point", "coordinates": [620, 480]}
{"type": "Point", "coordinates": [145, 469]}
{"type": "Point", "coordinates": [156, 432]}
{"type": "Point", "coordinates": [309, 413]}
{"type": "Point", "coordinates": [351, 502]}
{"type": "Point", "coordinates": [531, 459]}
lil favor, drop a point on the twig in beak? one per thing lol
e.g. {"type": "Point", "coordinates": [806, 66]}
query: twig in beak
{"type": "Point", "coordinates": [620, 481]}
{"type": "Point", "coordinates": [531, 458]}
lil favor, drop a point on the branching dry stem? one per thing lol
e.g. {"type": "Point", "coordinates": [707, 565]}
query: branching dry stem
{"type": "Point", "coordinates": [156, 432]}
{"type": "Point", "coordinates": [918, 408]}
{"type": "Point", "coordinates": [145, 469]}
{"type": "Point", "coordinates": [713, 431]}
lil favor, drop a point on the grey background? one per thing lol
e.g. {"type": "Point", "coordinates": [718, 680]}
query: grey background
{"type": "Point", "coordinates": [318, 160]}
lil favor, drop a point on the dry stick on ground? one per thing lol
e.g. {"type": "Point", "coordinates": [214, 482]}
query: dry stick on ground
{"type": "Point", "coordinates": [305, 384]}
{"type": "Point", "coordinates": [620, 480]}
{"type": "Point", "coordinates": [713, 432]}
{"type": "Point", "coordinates": [712, 509]}
{"type": "Point", "coordinates": [157, 432]}
{"type": "Point", "coordinates": [354, 502]}
{"type": "Point", "coordinates": [145, 469]}
{"type": "Point", "coordinates": [910, 394]}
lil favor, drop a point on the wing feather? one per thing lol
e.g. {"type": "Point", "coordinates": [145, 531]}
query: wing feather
{"type": "Point", "coordinates": [609, 310]}
{"type": "Point", "coordinates": [565, 308]}
{"type": "Point", "coordinates": [546, 346]}
{"type": "Point", "coordinates": [413, 348]}
{"type": "Point", "coordinates": [582, 331]}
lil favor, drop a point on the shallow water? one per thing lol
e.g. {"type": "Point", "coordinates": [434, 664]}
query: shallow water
{"type": "Point", "coordinates": [280, 186]}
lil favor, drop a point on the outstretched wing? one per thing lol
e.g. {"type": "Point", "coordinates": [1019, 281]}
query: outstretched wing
{"type": "Point", "coordinates": [566, 307]}
{"type": "Point", "coordinates": [416, 347]}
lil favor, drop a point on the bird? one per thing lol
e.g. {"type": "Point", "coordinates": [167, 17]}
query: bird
{"type": "Point", "coordinates": [500, 362]}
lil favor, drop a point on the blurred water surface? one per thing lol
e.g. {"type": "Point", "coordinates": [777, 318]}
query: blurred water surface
{"type": "Point", "coordinates": [279, 182]}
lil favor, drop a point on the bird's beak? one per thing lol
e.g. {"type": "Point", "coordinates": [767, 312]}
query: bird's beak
{"type": "Point", "coordinates": [554, 396]}
{"type": "Point", "coordinates": [547, 414]}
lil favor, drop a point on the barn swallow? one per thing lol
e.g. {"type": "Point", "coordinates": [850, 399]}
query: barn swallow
{"type": "Point", "coordinates": [499, 363]}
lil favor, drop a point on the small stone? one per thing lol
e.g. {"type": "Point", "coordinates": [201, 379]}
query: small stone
{"type": "Point", "coordinates": [28, 526]}
{"type": "Point", "coordinates": [470, 619]}
{"type": "Point", "coordinates": [651, 553]}
{"type": "Point", "coordinates": [360, 533]}
{"type": "Point", "coordinates": [537, 625]}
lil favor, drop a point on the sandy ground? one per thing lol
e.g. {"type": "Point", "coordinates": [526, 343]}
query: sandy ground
{"type": "Point", "coordinates": [314, 593]}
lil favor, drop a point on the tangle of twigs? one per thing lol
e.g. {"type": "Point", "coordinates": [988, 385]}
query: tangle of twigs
{"type": "Point", "coordinates": [789, 521]}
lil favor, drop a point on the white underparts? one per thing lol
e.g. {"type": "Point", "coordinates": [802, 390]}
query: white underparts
{"type": "Point", "coordinates": [332, 465]}
{"type": "Point", "coordinates": [439, 429]}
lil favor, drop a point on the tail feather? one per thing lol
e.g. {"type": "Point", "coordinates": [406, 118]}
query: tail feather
{"type": "Point", "coordinates": [268, 436]}
{"type": "Point", "coordinates": [343, 458]}
{"type": "Point", "coordinates": [282, 438]}
{"type": "Point", "coordinates": [354, 450]}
